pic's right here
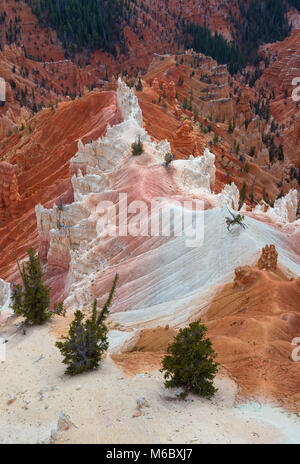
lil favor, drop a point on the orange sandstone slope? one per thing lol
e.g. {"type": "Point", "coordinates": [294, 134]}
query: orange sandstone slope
{"type": "Point", "coordinates": [40, 154]}
{"type": "Point", "coordinates": [153, 28]}
{"type": "Point", "coordinates": [32, 84]}
{"type": "Point", "coordinates": [252, 323]}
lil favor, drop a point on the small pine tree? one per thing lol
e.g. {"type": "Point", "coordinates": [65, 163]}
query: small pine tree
{"type": "Point", "coordinates": [215, 139]}
{"type": "Point", "coordinates": [87, 340]}
{"type": "Point", "coordinates": [137, 147]}
{"type": "Point", "coordinates": [168, 158]}
{"type": "Point", "coordinates": [190, 362]}
{"type": "Point", "coordinates": [139, 86]}
{"type": "Point", "coordinates": [33, 299]}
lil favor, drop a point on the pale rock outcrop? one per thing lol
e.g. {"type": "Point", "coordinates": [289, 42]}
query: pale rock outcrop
{"type": "Point", "coordinates": [4, 296]}
{"type": "Point", "coordinates": [128, 103]}
{"type": "Point", "coordinates": [108, 152]}
{"type": "Point", "coordinates": [69, 233]}
{"type": "Point", "coordinates": [62, 221]}
{"type": "Point", "coordinates": [83, 185]}
{"type": "Point", "coordinates": [230, 196]}
{"type": "Point", "coordinates": [286, 208]}
{"type": "Point", "coordinates": [200, 172]}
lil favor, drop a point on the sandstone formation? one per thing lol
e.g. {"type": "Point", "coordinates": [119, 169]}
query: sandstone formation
{"type": "Point", "coordinates": [268, 259]}
{"type": "Point", "coordinates": [244, 275]}
{"type": "Point", "coordinates": [9, 194]}
{"type": "Point", "coordinates": [244, 104]}
{"type": "Point", "coordinates": [82, 242]}
{"type": "Point", "coordinates": [184, 139]}
{"type": "Point", "coordinates": [41, 159]}
{"type": "Point", "coordinates": [251, 324]}
{"type": "Point", "coordinates": [171, 91]}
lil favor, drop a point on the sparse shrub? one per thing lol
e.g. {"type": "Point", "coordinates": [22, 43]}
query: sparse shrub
{"type": "Point", "coordinates": [190, 362]}
{"type": "Point", "coordinates": [252, 152]}
{"type": "Point", "coordinates": [168, 158]}
{"type": "Point", "coordinates": [139, 86]}
{"type": "Point", "coordinates": [87, 340]}
{"type": "Point", "coordinates": [33, 299]}
{"type": "Point", "coordinates": [137, 147]}
{"type": "Point", "coordinates": [215, 139]}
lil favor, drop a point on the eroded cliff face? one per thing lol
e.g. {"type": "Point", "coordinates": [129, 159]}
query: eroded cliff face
{"type": "Point", "coordinates": [77, 239]}
{"type": "Point", "coordinates": [32, 85]}
{"type": "Point", "coordinates": [9, 194]}
{"type": "Point", "coordinates": [36, 169]}
{"type": "Point", "coordinates": [235, 126]}
{"type": "Point", "coordinates": [162, 280]}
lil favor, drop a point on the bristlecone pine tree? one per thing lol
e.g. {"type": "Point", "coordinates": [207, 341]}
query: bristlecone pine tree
{"type": "Point", "coordinates": [190, 362]}
{"type": "Point", "coordinates": [87, 341]}
{"type": "Point", "coordinates": [33, 299]}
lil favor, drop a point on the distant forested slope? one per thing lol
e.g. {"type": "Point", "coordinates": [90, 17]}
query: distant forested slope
{"type": "Point", "coordinates": [90, 24]}
{"type": "Point", "coordinates": [99, 24]}
{"type": "Point", "coordinates": [258, 22]}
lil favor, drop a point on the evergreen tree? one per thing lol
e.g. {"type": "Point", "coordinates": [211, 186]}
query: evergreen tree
{"type": "Point", "coordinates": [80, 24]}
{"type": "Point", "coordinates": [87, 340]}
{"type": "Point", "coordinates": [137, 148]}
{"type": "Point", "coordinates": [190, 362]}
{"type": "Point", "coordinates": [280, 153]}
{"type": "Point", "coordinates": [33, 299]}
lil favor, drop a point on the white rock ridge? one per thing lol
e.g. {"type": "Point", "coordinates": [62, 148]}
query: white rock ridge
{"type": "Point", "coordinates": [284, 210]}
{"type": "Point", "coordinates": [161, 279]}
{"type": "Point", "coordinates": [230, 196]}
{"type": "Point", "coordinates": [200, 172]}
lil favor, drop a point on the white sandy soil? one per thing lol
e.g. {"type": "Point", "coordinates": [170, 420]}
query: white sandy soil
{"type": "Point", "coordinates": [101, 405]}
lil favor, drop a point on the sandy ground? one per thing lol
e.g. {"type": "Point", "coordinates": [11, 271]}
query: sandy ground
{"type": "Point", "coordinates": [102, 405]}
